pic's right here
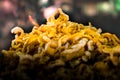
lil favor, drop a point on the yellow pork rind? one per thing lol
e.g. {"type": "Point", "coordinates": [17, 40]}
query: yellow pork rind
{"type": "Point", "coordinates": [67, 40]}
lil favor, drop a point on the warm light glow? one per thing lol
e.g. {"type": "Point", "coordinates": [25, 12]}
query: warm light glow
{"type": "Point", "coordinates": [49, 11]}
{"type": "Point", "coordinates": [43, 1]}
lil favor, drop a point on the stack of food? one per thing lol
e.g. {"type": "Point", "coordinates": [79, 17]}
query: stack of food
{"type": "Point", "coordinates": [61, 50]}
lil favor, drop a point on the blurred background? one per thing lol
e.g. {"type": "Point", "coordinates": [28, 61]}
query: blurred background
{"type": "Point", "coordinates": [104, 14]}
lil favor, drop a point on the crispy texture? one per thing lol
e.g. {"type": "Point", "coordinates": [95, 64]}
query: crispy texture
{"type": "Point", "coordinates": [57, 33]}
{"type": "Point", "coordinates": [61, 41]}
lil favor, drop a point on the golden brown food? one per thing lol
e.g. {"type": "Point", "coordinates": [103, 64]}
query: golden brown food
{"type": "Point", "coordinates": [61, 49]}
